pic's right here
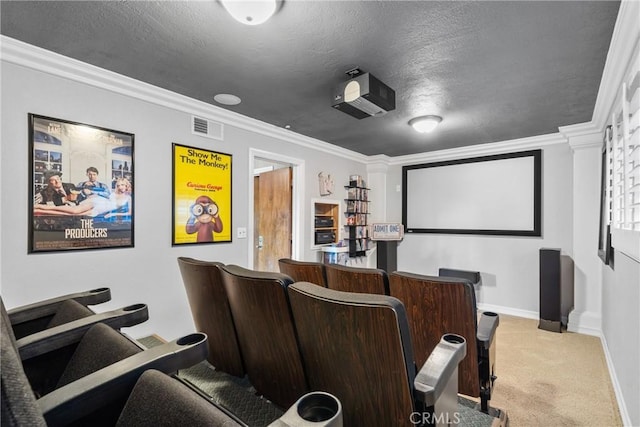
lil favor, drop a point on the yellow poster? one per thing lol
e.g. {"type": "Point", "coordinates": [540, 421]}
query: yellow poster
{"type": "Point", "coordinates": [201, 196]}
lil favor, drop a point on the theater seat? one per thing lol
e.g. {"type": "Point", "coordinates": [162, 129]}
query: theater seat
{"type": "Point", "coordinates": [266, 333]}
{"type": "Point", "coordinates": [304, 271]}
{"type": "Point", "coordinates": [69, 333]}
{"type": "Point", "coordinates": [357, 347]}
{"type": "Point", "coordinates": [160, 400]}
{"type": "Point", "coordinates": [211, 313]}
{"type": "Point", "coordinates": [31, 318]}
{"type": "Point", "coordinates": [89, 393]}
{"type": "Point", "coordinates": [356, 279]}
{"type": "Point", "coordinates": [437, 305]}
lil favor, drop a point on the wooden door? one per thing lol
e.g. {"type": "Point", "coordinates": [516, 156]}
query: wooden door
{"type": "Point", "coordinates": [272, 218]}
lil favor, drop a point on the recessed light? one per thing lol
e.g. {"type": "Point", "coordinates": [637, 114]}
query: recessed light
{"type": "Point", "coordinates": [227, 99]}
{"type": "Point", "coordinates": [287, 126]}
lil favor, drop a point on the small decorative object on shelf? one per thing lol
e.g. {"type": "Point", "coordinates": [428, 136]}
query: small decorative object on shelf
{"type": "Point", "coordinates": [325, 183]}
{"type": "Point", "coordinates": [357, 209]}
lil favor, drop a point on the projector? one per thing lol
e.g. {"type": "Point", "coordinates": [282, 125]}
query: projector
{"type": "Point", "coordinates": [364, 96]}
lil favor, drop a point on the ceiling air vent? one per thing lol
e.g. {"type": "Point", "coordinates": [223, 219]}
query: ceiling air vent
{"type": "Point", "coordinates": [207, 128]}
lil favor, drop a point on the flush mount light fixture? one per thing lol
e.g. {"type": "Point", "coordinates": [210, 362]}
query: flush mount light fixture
{"type": "Point", "coordinates": [250, 12]}
{"type": "Point", "coordinates": [425, 124]}
{"type": "Point", "coordinates": [226, 99]}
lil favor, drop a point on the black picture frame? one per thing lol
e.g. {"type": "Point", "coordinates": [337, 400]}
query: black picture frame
{"type": "Point", "coordinates": [471, 205]}
{"type": "Point", "coordinates": [202, 202]}
{"type": "Point", "coordinates": [81, 181]}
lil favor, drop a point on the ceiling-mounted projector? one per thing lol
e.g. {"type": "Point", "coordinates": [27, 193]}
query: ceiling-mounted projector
{"type": "Point", "coordinates": [364, 96]}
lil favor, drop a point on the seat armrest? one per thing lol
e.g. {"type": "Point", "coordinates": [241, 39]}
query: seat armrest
{"type": "Point", "coordinates": [69, 333]}
{"type": "Point", "coordinates": [317, 409]}
{"type": "Point", "coordinates": [442, 363]}
{"type": "Point", "coordinates": [94, 391]}
{"type": "Point", "coordinates": [487, 330]}
{"type": "Point", "coordinates": [48, 307]}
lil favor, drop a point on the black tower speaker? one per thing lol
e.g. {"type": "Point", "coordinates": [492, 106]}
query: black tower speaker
{"type": "Point", "coordinates": [387, 255]}
{"type": "Point", "coordinates": [550, 290]}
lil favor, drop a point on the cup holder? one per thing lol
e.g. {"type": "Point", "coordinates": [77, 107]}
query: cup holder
{"type": "Point", "coordinates": [191, 339]}
{"type": "Point", "coordinates": [318, 407]}
{"type": "Point", "coordinates": [134, 307]}
{"type": "Point", "coordinates": [453, 339]}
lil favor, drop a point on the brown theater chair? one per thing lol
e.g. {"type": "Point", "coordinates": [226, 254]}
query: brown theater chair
{"type": "Point", "coordinates": [355, 279]}
{"type": "Point", "coordinates": [304, 271]}
{"type": "Point", "coordinates": [357, 347]}
{"type": "Point", "coordinates": [437, 305]}
{"type": "Point", "coordinates": [266, 333]}
{"type": "Point", "coordinates": [211, 313]}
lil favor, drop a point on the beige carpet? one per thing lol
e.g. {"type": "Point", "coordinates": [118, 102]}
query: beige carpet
{"type": "Point", "coordinates": [547, 378]}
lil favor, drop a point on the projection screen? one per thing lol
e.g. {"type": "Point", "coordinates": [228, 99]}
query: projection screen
{"type": "Point", "coordinates": [495, 195]}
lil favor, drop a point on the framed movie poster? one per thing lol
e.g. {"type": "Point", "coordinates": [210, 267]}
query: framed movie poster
{"type": "Point", "coordinates": [80, 186]}
{"type": "Point", "coordinates": [201, 196]}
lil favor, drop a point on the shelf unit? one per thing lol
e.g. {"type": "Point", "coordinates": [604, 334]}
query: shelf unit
{"type": "Point", "coordinates": [356, 213]}
{"type": "Point", "coordinates": [326, 222]}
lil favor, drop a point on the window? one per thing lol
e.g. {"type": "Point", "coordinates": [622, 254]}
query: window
{"type": "Point", "coordinates": [621, 171]}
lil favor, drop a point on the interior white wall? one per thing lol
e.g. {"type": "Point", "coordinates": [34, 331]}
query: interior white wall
{"type": "Point", "coordinates": [509, 264]}
{"type": "Point", "coordinates": [587, 315]}
{"type": "Point", "coordinates": [621, 329]}
{"type": "Point", "coordinates": [148, 272]}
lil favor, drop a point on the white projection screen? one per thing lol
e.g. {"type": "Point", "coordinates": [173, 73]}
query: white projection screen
{"type": "Point", "coordinates": [496, 195]}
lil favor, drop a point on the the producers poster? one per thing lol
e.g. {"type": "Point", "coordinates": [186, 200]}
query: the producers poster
{"type": "Point", "coordinates": [82, 186]}
{"type": "Point", "coordinates": [201, 196]}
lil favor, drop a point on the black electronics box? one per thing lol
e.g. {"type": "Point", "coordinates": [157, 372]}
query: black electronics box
{"type": "Point", "coordinates": [325, 237]}
{"type": "Point", "coordinates": [324, 222]}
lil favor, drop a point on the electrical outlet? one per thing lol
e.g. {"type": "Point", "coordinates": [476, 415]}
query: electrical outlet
{"type": "Point", "coordinates": [242, 232]}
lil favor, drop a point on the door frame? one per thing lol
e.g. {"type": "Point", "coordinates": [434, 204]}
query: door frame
{"type": "Point", "coordinates": [297, 197]}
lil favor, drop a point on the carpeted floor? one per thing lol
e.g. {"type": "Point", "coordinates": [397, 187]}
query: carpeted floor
{"type": "Point", "coordinates": [547, 378]}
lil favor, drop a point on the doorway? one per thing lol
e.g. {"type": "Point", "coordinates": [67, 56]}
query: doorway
{"type": "Point", "coordinates": [275, 200]}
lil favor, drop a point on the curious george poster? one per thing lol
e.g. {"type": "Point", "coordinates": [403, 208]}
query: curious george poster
{"type": "Point", "coordinates": [201, 196]}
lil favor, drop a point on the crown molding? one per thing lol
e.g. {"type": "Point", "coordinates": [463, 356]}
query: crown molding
{"type": "Point", "coordinates": [477, 150]}
{"type": "Point", "coordinates": [582, 136]}
{"type": "Point", "coordinates": [378, 164]}
{"type": "Point", "coordinates": [29, 56]}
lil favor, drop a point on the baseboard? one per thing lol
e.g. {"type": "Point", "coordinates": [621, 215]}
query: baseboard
{"type": "Point", "coordinates": [622, 407]}
{"type": "Point", "coordinates": [585, 322]}
{"type": "Point", "coordinates": [500, 309]}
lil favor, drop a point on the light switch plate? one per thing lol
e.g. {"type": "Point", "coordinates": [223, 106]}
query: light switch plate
{"type": "Point", "coordinates": [242, 232]}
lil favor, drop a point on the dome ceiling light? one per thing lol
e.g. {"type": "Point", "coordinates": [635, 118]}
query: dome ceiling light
{"type": "Point", "coordinates": [250, 12]}
{"type": "Point", "coordinates": [227, 99]}
{"type": "Point", "coordinates": [425, 124]}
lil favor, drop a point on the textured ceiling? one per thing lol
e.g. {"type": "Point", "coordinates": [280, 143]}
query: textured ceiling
{"type": "Point", "coordinates": [495, 70]}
